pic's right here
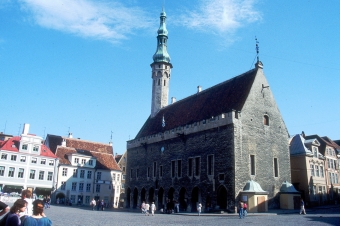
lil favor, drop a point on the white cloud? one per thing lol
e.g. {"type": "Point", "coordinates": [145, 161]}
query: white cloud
{"type": "Point", "coordinates": [88, 18]}
{"type": "Point", "coordinates": [220, 16]}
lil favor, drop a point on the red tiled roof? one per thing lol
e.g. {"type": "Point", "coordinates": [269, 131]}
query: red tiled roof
{"type": "Point", "coordinates": [89, 145]}
{"type": "Point", "coordinates": [104, 160]}
{"type": "Point", "coordinates": [221, 98]}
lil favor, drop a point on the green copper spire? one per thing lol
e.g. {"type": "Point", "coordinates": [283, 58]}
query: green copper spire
{"type": "Point", "coordinates": [161, 54]}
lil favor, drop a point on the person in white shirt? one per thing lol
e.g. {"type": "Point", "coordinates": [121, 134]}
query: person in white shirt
{"type": "Point", "coordinates": [153, 208]}
{"type": "Point", "coordinates": [147, 207]}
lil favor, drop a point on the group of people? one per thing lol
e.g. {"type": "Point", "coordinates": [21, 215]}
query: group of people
{"type": "Point", "coordinates": [24, 212]}
{"type": "Point", "coordinates": [100, 204]}
{"type": "Point", "coordinates": [243, 209]}
{"type": "Point", "coordinates": [145, 207]}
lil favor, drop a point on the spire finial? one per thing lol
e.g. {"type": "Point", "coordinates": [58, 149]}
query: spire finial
{"type": "Point", "coordinates": [257, 49]}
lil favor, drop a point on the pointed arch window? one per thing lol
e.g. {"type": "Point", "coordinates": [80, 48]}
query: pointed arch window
{"type": "Point", "coordinates": [266, 120]}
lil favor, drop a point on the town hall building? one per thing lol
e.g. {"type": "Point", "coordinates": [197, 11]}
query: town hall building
{"type": "Point", "coordinates": [219, 146]}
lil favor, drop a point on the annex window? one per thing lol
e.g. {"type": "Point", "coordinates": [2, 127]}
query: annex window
{"type": "Point", "coordinates": [51, 163]}
{"type": "Point", "coordinates": [32, 174]}
{"type": "Point", "coordinates": [88, 187]}
{"type": "Point", "coordinates": [197, 166]}
{"type": "Point", "coordinates": [82, 173]}
{"type": "Point", "coordinates": [179, 168]}
{"type": "Point", "coordinates": [154, 169]}
{"type": "Point", "coordinates": [49, 176]}
{"type": "Point", "coordinates": [64, 172]}
{"type": "Point", "coordinates": [276, 168]}
{"type": "Point", "coordinates": [210, 164]}
{"type": "Point", "coordinates": [74, 186]}
{"type": "Point", "coordinates": [13, 158]}
{"type": "Point", "coordinates": [43, 162]}
{"type": "Point", "coordinates": [3, 156]}
{"type": "Point", "coordinates": [24, 147]}
{"type": "Point", "coordinates": [190, 167]}
{"type": "Point", "coordinates": [160, 171]}
{"type": "Point", "coordinates": [63, 185]}
{"type": "Point", "coordinates": [89, 174]}
{"type": "Point", "coordinates": [266, 120]}
{"type": "Point", "coordinates": [2, 170]}
{"type": "Point", "coordinates": [99, 175]}
{"type": "Point", "coordinates": [11, 172]}
{"type": "Point", "coordinates": [252, 164]}
{"type": "Point", "coordinates": [173, 168]}
{"type": "Point", "coordinates": [41, 175]}
{"type": "Point", "coordinates": [22, 158]}
{"type": "Point", "coordinates": [21, 173]}
{"type": "Point", "coordinates": [34, 160]}
{"type": "Point", "coordinates": [75, 172]}
{"type": "Point", "coordinates": [81, 186]}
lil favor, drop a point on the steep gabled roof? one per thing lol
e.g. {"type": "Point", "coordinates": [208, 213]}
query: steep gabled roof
{"type": "Point", "coordinates": [104, 160]}
{"type": "Point", "coordinates": [325, 141]}
{"type": "Point", "coordinates": [297, 146]}
{"type": "Point", "coordinates": [221, 98]}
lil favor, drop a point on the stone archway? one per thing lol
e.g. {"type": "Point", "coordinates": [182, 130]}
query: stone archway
{"type": "Point", "coordinates": [127, 198]}
{"type": "Point", "coordinates": [151, 195]}
{"type": "Point", "coordinates": [142, 195]}
{"type": "Point", "coordinates": [171, 194]}
{"type": "Point", "coordinates": [222, 199]}
{"type": "Point", "coordinates": [61, 197]}
{"type": "Point", "coordinates": [183, 200]}
{"type": "Point", "coordinates": [194, 199]}
{"type": "Point", "coordinates": [135, 198]}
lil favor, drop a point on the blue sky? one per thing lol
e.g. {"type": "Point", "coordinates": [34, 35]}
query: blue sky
{"type": "Point", "coordinates": [84, 65]}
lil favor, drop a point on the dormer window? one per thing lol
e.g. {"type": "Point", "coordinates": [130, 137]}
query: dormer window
{"type": "Point", "coordinates": [76, 160]}
{"type": "Point", "coordinates": [83, 161]}
{"type": "Point", "coordinates": [91, 162]}
{"type": "Point", "coordinates": [266, 120]}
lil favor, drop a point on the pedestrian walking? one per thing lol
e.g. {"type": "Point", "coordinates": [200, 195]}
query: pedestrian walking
{"type": "Point", "coordinates": [147, 207]}
{"type": "Point", "coordinates": [153, 208]}
{"type": "Point", "coordinates": [302, 207]}
{"type": "Point", "coordinates": [199, 208]}
{"type": "Point", "coordinates": [38, 217]}
{"type": "Point", "coordinates": [102, 204]}
{"type": "Point", "coordinates": [245, 206]}
{"type": "Point", "coordinates": [93, 204]}
{"type": "Point", "coordinates": [241, 206]}
{"type": "Point", "coordinates": [142, 207]}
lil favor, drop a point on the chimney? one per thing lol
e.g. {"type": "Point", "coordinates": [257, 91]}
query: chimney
{"type": "Point", "coordinates": [26, 128]}
{"type": "Point", "coordinates": [63, 144]}
{"type": "Point", "coordinates": [70, 135]}
{"type": "Point", "coordinates": [199, 89]}
{"type": "Point", "coordinates": [173, 100]}
{"type": "Point", "coordinates": [110, 143]}
{"type": "Point", "coordinates": [303, 134]}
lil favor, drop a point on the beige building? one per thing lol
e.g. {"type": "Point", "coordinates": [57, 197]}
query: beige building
{"type": "Point", "coordinates": [86, 170]}
{"type": "Point", "coordinates": [121, 160]}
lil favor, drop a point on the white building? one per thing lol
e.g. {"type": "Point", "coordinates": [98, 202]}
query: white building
{"type": "Point", "coordinates": [26, 163]}
{"type": "Point", "coordinates": [86, 170]}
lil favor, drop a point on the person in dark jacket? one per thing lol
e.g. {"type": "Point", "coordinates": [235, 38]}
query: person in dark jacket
{"type": "Point", "coordinates": [13, 218]}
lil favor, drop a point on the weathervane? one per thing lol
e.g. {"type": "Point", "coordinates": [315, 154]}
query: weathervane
{"type": "Point", "coordinates": [257, 49]}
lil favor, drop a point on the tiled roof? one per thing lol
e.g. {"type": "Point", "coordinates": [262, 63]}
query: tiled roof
{"type": "Point", "coordinates": [297, 146]}
{"type": "Point", "coordinates": [221, 98]}
{"type": "Point", "coordinates": [12, 144]}
{"type": "Point", "coordinates": [118, 157]}
{"type": "Point", "coordinates": [324, 141]}
{"type": "Point", "coordinates": [104, 160]}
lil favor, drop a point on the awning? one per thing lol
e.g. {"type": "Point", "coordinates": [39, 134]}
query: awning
{"type": "Point", "coordinates": [43, 189]}
{"type": "Point", "coordinates": [13, 186]}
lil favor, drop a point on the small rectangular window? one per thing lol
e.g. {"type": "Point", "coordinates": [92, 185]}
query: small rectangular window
{"type": "Point", "coordinates": [137, 172]}
{"type": "Point", "coordinates": [179, 168]}
{"type": "Point", "coordinates": [24, 147]}
{"type": "Point", "coordinates": [51, 163]}
{"type": "Point", "coordinates": [190, 167]}
{"type": "Point", "coordinates": [154, 169]}
{"type": "Point", "coordinates": [160, 171]}
{"type": "Point", "coordinates": [64, 173]}
{"type": "Point", "coordinates": [88, 187]}
{"type": "Point", "coordinates": [312, 169]}
{"type": "Point", "coordinates": [74, 186]}
{"type": "Point", "coordinates": [13, 158]}
{"type": "Point", "coordinates": [252, 164]}
{"type": "Point", "coordinates": [2, 170]}
{"type": "Point", "coordinates": [32, 174]}
{"type": "Point", "coordinates": [210, 164]}
{"type": "Point", "coordinates": [3, 156]}
{"type": "Point", "coordinates": [22, 158]}
{"type": "Point", "coordinates": [41, 175]}
{"type": "Point", "coordinates": [99, 175]}
{"type": "Point", "coordinates": [36, 148]}
{"type": "Point", "coordinates": [197, 166]}
{"type": "Point", "coordinates": [97, 187]}
{"type": "Point", "coordinates": [89, 174]}
{"type": "Point", "coordinates": [75, 172]}
{"type": "Point", "coordinates": [276, 169]}
{"type": "Point", "coordinates": [34, 160]}
{"type": "Point", "coordinates": [11, 172]}
{"type": "Point", "coordinates": [82, 173]}
{"type": "Point", "coordinates": [43, 161]}
{"type": "Point", "coordinates": [21, 173]}
{"type": "Point", "coordinates": [63, 185]}
{"type": "Point", "coordinates": [148, 172]}
{"type": "Point", "coordinates": [49, 176]}
{"type": "Point", "coordinates": [173, 168]}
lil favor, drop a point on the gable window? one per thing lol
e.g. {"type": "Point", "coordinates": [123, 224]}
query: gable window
{"type": "Point", "coordinates": [13, 158]}
{"type": "Point", "coordinates": [266, 120]}
{"type": "Point", "coordinates": [41, 175]}
{"type": "Point", "coordinates": [36, 148]}
{"type": "Point", "coordinates": [315, 152]}
{"type": "Point", "coordinates": [64, 172]}
{"type": "Point", "coordinates": [21, 173]}
{"type": "Point", "coordinates": [276, 168]}
{"type": "Point", "coordinates": [34, 160]}
{"type": "Point", "coordinates": [43, 161]}
{"type": "Point", "coordinates": [32, 174]}
{"type": "Point", "coordinates": [210, 164]}
{"type": "Point", "coordinates": [89, 174]}
{"type": "Point", "coordinates": [2, 170]}
{"type": "Point", "coordinates": [49, 176]}
{"type": "Point", "coordinates": [3, 156]}
{"type": "Point", "coordinates": [24, 147]}
{"type": "Point", "coordinates": [11, 172]}
{"type": "Point", "coordinates": [252, 164]}
{"type": "Point", "coordinates": [90, 162]}
{"type": "Point", "coordinates": [197, 166]}
{"type": "Point", "coordinates": [82, 173]}
{"type": "Point", "coordinates": [83, 161]}
{"type": "Point", "coordinates": [76, 160]}
{"type": "Point", "coordinates": [51, 163]}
